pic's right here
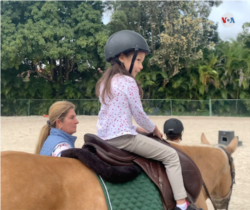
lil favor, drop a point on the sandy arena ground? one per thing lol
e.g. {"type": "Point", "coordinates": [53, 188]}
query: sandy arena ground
{"type": "Point", "coordinates": [21, 134]}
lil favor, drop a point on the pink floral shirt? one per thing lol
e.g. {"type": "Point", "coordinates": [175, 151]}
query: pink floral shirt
{"type": "Point", "coordinates": [115, 118]}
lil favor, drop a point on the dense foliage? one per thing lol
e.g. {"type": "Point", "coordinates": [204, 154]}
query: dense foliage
{"type": "Point", "coordinates": [55, 49]}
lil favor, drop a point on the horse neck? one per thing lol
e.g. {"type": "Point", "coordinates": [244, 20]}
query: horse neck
{"type": "Point", "coordinates": [210, 160]}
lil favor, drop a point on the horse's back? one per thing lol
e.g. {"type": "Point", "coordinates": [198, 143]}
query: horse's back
{"type": "Point", "coordinates": [31, 181]}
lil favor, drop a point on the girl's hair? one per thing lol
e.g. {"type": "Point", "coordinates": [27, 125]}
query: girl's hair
{"type": "Point", "coordinates": [58, 110]}
{"type": "Point", "coordinates": [109, 74]}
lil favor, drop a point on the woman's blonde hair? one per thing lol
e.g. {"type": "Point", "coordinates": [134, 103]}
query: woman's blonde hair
{"type": "Point", "coordinates": [58, 110]}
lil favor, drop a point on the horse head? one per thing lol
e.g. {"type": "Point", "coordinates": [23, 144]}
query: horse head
{"type": "Point", "coordinates": [222, 190]}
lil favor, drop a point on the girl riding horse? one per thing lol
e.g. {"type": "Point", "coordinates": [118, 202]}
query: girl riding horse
{"type": "Point", "coordinates": [120, 96]}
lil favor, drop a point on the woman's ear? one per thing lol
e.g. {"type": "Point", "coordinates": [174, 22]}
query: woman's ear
{"type": "Point", "coordinates": [58, 124]}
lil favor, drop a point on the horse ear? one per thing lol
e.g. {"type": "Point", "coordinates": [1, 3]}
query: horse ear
{"type": "Point", "coordinates": [204, 139]}
{"type": "Point", "coordinates": [232, 146]}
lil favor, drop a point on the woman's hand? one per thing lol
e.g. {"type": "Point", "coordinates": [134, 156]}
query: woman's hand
{"type": "Point", "coordinates": [157, 132]}
{"type": "Point", "coordinates": [140, 130]}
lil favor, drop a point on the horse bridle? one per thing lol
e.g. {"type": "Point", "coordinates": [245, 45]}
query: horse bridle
{"type": "Point", "coordinates": [221, 202]}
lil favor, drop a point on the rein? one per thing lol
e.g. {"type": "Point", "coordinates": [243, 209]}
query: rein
{"type": "Point", "coordinates": [226, 199]}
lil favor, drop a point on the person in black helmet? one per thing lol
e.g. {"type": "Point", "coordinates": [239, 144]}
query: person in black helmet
{"type": "Point", "coordinates": [120, 97]}
{"type": "Point", "coordinates": [173, 128]}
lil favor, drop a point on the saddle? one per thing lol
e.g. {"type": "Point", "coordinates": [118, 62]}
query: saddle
{"type": "Point", "coordinates": [125, 167]}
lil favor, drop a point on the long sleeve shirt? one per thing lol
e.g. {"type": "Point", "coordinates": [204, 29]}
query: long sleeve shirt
{"type": "Point", "coordinates": [115, 117]}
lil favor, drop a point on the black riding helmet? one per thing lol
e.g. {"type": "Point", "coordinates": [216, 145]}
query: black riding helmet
{"type": "Point", "coordinates": [173, 126]}
{"type": "Point", "coordinates": [124, 41]}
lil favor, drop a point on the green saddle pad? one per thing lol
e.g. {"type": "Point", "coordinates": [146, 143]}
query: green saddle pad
{"type": "Point", "coordinates": [138, 194]}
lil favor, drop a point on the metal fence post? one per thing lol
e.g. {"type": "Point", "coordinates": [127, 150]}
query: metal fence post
{"type": "Point", "coordinates": [210, 107]}
{"type": "Point", "coordinates": [236, 106]}
{"type": "Point", "coordinates": [29, 108]}
{"type": "Point", "coordinates": [171, 106]}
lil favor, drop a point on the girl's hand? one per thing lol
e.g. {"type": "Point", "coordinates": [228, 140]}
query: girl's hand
{"type": "Point", "coordinates": [157, 132]}
{"type": "Point", "coordinates": [141, 130]}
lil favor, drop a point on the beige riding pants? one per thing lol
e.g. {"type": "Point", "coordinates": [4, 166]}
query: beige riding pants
{"type": "Point", "coordinates": [149, 148]}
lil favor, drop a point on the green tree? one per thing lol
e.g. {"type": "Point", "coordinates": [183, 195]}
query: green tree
{"type": "Point", "coordinates": [233, 69]}
{"type": "Point", "coordinates": [186, 30]}
{"type": "Point", "coordinates": [55, 39]}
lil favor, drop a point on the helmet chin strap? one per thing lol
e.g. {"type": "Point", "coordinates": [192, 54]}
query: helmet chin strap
{"type": "Point", "coordinates": [133, 61]}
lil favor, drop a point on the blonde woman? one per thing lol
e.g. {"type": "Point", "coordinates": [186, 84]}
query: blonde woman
{"type": "Point", "coordinates": [56, 135]}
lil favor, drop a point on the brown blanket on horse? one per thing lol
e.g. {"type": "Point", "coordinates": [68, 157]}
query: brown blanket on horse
{"type": "Point", "coordinates": [116, 165]}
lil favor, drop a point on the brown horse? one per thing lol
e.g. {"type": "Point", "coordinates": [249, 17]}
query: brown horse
{"type": "Point", "coordinates": [215, 169]}
{"type": "Point", "coordinates": [38, 182]}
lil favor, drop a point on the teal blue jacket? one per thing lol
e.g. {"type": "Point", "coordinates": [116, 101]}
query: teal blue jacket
{"type": "Point", "coordinates": [56, 137]}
